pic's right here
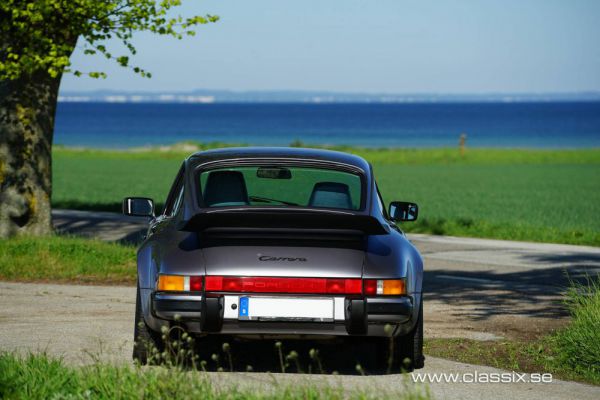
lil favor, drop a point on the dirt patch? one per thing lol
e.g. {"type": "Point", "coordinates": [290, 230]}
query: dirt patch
{"type": "Point", "coordinates": [482, 316]}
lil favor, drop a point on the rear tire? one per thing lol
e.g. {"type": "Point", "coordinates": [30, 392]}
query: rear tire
{"type": "Point", "coordinates": [410, 346]}
{"type": "Point", "coordinates": [145, 339]}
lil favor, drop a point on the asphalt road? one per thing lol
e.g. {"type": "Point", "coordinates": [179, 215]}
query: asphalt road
{"type": "Point", "coordinates": [479, 289]}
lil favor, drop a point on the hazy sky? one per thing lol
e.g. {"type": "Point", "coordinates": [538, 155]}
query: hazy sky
{"type": "Point", "coordinates": [396, 46]}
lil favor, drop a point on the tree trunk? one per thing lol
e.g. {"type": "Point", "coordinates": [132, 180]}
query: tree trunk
{"type": "Point", "coordinates": [27, 109]}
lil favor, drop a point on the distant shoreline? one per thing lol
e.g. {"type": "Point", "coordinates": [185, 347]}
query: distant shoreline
{"type": "Point", "coordinates": [205, 96]}
{"type": "Point", "coordinates": [190, 147]}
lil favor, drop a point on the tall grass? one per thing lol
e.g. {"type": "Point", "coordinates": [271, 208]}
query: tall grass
{"type": "Point", "coordinates": [41, 377]}
{"type": "Point", "coordinates": [579, 343]}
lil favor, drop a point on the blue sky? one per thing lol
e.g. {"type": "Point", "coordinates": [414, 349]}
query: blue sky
{"type": "Point", "coordinates": [393, 46]}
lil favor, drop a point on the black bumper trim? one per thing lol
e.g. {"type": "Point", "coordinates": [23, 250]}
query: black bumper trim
{"type": "Point", "coordinates": [176, 305]}
{"type": "Point", "coordinates": [211, 319]}
{"type": "Point", "coordinates": [359, 312]}
{"type": "Point", "coordinates": [383, 306]}
{"type": "Point", "coordinates": [355, 316]}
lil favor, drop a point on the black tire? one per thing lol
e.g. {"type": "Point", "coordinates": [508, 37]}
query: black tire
{"type": "Point", "coordinates": [410, 346]}
{"type": "Point", "coordinates": [145, 339]}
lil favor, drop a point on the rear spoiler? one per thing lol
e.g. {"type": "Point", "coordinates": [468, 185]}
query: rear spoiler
{"type": "Point", "coordinates": [284, 222]}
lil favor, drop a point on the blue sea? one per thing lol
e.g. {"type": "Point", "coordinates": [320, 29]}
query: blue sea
{"type": "Point", "coordinates": [524, 125]}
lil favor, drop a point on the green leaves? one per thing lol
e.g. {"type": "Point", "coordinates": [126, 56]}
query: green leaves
{"type": "Point", "coordinates": [97, 75]}
{"type": "Point", "coordinates": [123, 61]}
{"type": "Point", "coordinates": [41, 35]}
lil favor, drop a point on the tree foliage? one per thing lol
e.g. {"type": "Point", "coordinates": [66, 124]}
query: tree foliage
{"type": "Point", "coordinates": [40, 35]}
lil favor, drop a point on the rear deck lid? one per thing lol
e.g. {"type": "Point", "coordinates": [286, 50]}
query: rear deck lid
{"type": "Point", "coordinates": [284, 261]}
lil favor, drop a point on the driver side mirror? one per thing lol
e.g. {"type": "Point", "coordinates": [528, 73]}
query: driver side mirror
{"type": "Point", "coordinates": [138, 207]}
{"type": "Point", "coordinates": [403, 211]}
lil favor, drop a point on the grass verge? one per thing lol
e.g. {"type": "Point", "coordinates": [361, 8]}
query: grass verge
{"type": "Point", "coordinates": [40, 377]}
{"type": "Point", "coordinates": [579, 342]}
{"type": "Point", "coordinates": [517, 194]}
{"type": "Point", "coordinates": [571, 353]}
{"type": "Point", "coordinates": [66, 259]}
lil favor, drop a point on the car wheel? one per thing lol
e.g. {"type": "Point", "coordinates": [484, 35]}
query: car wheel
{"type": "Point", "coordinates": [145, 339]}
{"type": "Point", "coordinates": [410, 346]}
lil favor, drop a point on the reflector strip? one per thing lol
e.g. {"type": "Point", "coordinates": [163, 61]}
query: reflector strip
{"type": "Point", "coordinates": [283, 285]}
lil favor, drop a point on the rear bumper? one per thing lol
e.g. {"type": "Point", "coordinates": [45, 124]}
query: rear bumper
{"type": "Point", "coordinates": [219, 314]}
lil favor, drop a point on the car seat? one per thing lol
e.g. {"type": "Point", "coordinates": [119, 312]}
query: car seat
{"type": "Point", "coordinates": [330, 195]}
{"type": "Point", "coordinates": [225, 188]}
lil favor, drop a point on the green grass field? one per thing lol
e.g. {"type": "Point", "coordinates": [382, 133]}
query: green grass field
{"type": "Point", "coordinates": [532, 195]}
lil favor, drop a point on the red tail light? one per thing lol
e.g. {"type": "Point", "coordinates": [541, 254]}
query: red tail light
{"type": "Point", "coordinates": [195, 283]}
{"type": "Point", "coordinates": [282, 285]}
{"type": "Point", "coordinates": [370, 286]}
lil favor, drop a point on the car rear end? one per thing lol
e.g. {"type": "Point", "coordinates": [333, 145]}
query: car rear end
{"type": "Point", "coordinates": [272, 290]}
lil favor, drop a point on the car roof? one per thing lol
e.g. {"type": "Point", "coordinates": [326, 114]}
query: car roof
{"type": "Point", "coordinates": [279, 152]}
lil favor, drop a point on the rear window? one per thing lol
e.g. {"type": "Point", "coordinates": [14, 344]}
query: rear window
{"type": "Point", "coordinates": [280, 186]}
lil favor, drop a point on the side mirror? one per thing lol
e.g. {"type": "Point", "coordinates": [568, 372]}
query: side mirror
{"type": "Point", "coordinates": [403, 211]}
{"type": "Point", "coordinates": [138, 207]}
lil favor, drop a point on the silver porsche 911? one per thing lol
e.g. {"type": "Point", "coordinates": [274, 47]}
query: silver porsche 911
{"type": "Point", "coordinates": [279, 242]}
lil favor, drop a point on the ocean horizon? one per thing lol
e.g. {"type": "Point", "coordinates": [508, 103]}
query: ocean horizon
{"type": "Point", "coordinates": [413, 125]}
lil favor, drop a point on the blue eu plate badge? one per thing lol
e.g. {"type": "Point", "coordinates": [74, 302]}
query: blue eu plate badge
{"type": "Point", "coordinates": [243, 307]}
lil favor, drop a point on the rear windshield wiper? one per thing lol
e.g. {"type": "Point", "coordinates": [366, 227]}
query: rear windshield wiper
{"type": "Point", "coordinates": [268, 200]}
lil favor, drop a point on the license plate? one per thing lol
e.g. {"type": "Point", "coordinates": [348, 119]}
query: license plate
{"type": "Point", "coordinates": [286, 308]}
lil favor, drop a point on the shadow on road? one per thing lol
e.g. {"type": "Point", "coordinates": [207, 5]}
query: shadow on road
{"type": "Point", "coordinates": [575, 261]}
{"type": "Point", "coordinates": [534, 292]}
{"type": "Point", "coordinates": [104, 226]}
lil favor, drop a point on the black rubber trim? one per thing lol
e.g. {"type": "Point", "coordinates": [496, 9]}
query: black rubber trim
{"type": "Point", "coordinates": [384, 306]}
{"type": "Point", "coordinates": [356, 316]}
{"type": "Point", "coordinates": [211, 319]}
{"type": "Point", "coordinates": [176, 305]}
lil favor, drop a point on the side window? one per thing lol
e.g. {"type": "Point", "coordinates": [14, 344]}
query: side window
{"type": "Point", "coordinates": [175, 195]}
{"type": "Point", "coordinates": [380, 202]}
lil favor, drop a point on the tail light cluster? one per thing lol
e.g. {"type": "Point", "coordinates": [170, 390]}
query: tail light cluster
{"type": "Point", "coordinates": [368, 287]}
{"type": "Point", "coordinates": [385, 287]}
{"type": "Point", "coordinates": [179, 283]}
